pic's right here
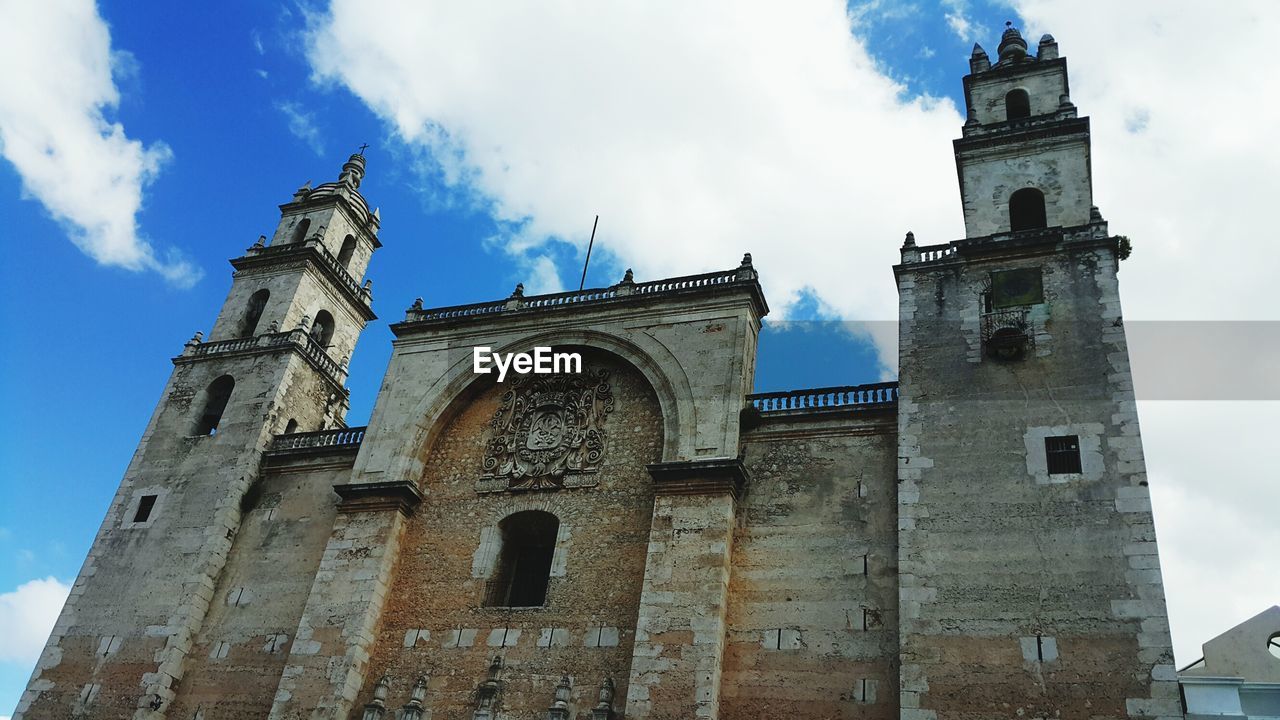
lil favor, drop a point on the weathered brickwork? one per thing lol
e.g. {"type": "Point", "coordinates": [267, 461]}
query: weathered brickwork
{"type": "Point", "coordinates": [587, 626]}
{"type": "Point", "coordinates": [972, 542]}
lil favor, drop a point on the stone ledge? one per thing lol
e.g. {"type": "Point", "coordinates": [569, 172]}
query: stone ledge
{"type": "Point", "coordinates": [364, 497]}
{"type": "Point", "coordinates": [699, 477]}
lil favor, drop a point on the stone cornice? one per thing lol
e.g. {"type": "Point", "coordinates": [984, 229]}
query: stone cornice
{"type": "Point", "coordinates": [1021, 134]}
{"type": "Point", "coordinates": [710, 476]}
{"type": "Point", "coordinates": [401, 495]}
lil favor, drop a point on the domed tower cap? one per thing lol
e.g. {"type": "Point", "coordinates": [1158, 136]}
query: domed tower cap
{"type": "Point", "coordinates": [353, 170]}
{"type": "Point", "coordinates": [1012, 46]}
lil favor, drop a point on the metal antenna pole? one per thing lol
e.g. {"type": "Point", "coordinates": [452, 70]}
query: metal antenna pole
{"type": "Point", "coordinates": [583, 283]}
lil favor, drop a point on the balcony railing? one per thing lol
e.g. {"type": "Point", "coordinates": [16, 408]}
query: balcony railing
{"type": "Point", "coordinates": [304, 343]}
{"type": "Point", "coordinates": [847, 396]}
{"type": "Point", "coordinates": [340, 439]}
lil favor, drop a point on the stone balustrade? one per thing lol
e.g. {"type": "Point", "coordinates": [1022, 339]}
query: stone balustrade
{"type": "Point", "coordinates": [846, 396]}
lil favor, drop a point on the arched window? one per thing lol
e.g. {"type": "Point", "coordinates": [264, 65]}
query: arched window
{"type": "Point", "coordinates": [524, 562]}
{"type": "Point", "coordinates": [300, 230]}
{"type": "Point", "coordinates": [1026, 210]}
{"type": "Point", "coordinates": [215, 402]}
{"type": "Point", "coordinates": [322, 328]}
{"type": "Point", "coordinates": [253, 313]}
{"type": "Point", "coordinates": [344, 255]}
{"type": "Point", "coordinates": [291, 427]}
{"type": "Point", "coordinates": [1017, 104]}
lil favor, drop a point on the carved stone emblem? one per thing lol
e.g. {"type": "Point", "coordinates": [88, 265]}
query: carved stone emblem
{"type": "Point", "coordinates": [548, 433]}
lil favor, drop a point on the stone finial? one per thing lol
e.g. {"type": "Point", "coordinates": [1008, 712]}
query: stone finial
{"type": "Point", "coordinates": [746, 271]}
{"type": "Point", "coordinates": [486, 694]}
{"type": "Point", "coordinates": [604, 708]}
{"type": "Point", "coordinates": [302, 192]}
{"type": "Point", "coordinates": [305, 322]}
{"type": "Point", "coordinates": [1048, 48]}
{"type": "Point", "coordinates": [1095, 215]}
{"type": "Point", "coordinates": [417, 304]}
{"type": "Point", "coordinates": [519, 291]}
{"type": "Point", "coordinates": [196, 339]}
{"type": "Point", "coordinates": [628, 278]}
{"type": "Point", "coordinates": [1064, 102]}
{"type": "Point", "coordinates": [1012, 47]}
{"type": "Point", "coordinates": [978, 60]}
{"type": "Point", "coordinates": [746, 260]}
{"type": "Point", "coordinates": [910, 240]}
{"type": "Point", "coordinates": [353, 171]}
{"type": "Point", "coordinates": [262, 241]}
{"type": "Point", "coordinates": [367, 288]}
{"type": "Point", "coordinates": [273, 327]}
{"type": "Point", "coordinates": [376, 708]}
{"type": "Point", "coordinates": [412, 710]}
{"type": "Point", "coordinates": [559, 709]}
{"type": "Point", "coordinates": [971, 116]}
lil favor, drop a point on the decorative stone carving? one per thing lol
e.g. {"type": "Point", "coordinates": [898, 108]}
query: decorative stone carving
{"type": "Point", "coordinates": [413, 709]}
{"type": "Point", "coordinates": [487, 694]}
{"type": "Point", "coordinates": [548, 433]}
{"type": "Point", "coordinates": [604, 709]}
{"type": "Point", "coordinates": [377, 708]}
{"type": "Point", "coordinates": [559, 709]}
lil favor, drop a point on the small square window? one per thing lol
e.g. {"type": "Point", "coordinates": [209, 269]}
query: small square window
{"type": "Point", "coordinates": [145, 505]}
{"type": "Point", "coordinates": [1062, 454]}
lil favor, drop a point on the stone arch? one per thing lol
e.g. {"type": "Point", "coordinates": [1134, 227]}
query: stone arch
{"type": "Point", "coordinates": [660, 369]}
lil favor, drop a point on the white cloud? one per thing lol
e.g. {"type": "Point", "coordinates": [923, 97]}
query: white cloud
{"type": "Point", "coordinates": [303, 125]}
{"type": "Point", "coordinates": [958, 21]}
{"type": "Point", "coordinates": [27, 616]}
{"type": "Point", "coordinates": [85, 171]}
{"type": "Point", "coordinates": [1182, 104]}
{"type": "Point", "coordinates": [698, 134]}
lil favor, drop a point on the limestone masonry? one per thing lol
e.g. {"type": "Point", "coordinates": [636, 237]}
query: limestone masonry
{"type": "Point", "coordinates": [646, 538]}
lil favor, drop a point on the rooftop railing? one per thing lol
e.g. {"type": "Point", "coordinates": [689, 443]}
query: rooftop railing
{"type": "Point", "coordinates": [846, 396]}
{"type": "Point", "coordinates": [591, 295]}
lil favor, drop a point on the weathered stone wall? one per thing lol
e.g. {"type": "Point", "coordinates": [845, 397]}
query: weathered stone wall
{"type": "Point", "coordinates": [236, 659]}
{"type": "Point", "coordinates": [1024, 594]}
{"type": "Point", "coordinates": [1056, 166]}
{"type": "Point", "coordinates": [1045, 83]}
{"type": "Point", "coordinates": [142, 594]}
{"type": "Point", "coordinates": [434, 621]}
{"type": "Point", "coordinates": [297, 289]}
{"type": "Point", "coordinates": [813, 593]}
{"type": "Point", "coordinates": [337, 224]}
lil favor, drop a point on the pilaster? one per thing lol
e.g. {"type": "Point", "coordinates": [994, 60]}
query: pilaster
{"type": "Point", "coordinates": [329, 659]}
{"type": "Point", "coordinates": [680, 631]}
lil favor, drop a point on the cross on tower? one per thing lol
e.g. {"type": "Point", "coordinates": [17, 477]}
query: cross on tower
{"type": "Point", "coordinates": [362, 147]}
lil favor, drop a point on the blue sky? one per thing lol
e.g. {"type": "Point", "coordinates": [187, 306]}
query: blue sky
{"type": "Point", "coordinates": [240, 102]}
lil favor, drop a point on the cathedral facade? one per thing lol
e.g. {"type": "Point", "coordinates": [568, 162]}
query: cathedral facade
{"type": "Point", "coordinates": [644, 537]}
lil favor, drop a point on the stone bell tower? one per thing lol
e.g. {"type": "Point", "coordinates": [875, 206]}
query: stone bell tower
{"type": "Point", "coordinates": [1029, 581]}
{"type": "Point", "coordinates": [1023, 160]}
{"type": "Point", "coordinates": [275, 362]}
